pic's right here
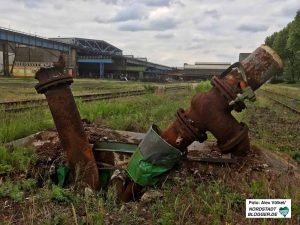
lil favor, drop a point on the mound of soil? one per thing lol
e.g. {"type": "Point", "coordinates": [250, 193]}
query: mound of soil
{"type": "Point", "coordinates": [259, 162]}
{"type": "Point", "coordinates": [278, 169]}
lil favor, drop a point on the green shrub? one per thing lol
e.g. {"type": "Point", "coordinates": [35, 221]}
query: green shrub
{"type": "Point", "coordinates": [4, 169]}
{"type": "Point", "coordinates": [291, 82]}
{"type": "Point", "coordinates": [275, 80]}
{"type": "Point", "coordinates": [15, 190]}
{"type": "Point", "coordinates": [203, 86]}
{"type": "Point", "coordinates": [259, 188]}
{"type": "Point", "coordinates": [59, 194]}
{"type": "Point", "coordinates": [16, 159]}
{"type": "Point", "coordinates": [150, 88]}
{"type": "Point", "coordinates": [11, 190]}
{"type": "Point", "coordinates": [296, 157]}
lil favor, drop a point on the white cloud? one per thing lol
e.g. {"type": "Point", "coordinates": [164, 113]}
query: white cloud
{"type": "Point", "coordinates": [165, 31]}
{"type": "Point", "coordinates": [164, 35]}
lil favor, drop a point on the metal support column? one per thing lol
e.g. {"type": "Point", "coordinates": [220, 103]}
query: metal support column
{"type": "Point", "coordinates": [72, 63]}
{"type": "Point", "coordinates": [141, 75]}
{"type": "Point", "coordinates": [5, 59]}
{"type": "Point", "coordinates": [101, 70]}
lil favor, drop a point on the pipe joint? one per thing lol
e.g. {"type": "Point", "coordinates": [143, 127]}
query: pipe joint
{"type": "Point", "coordinates": [190, 131]}
{"type": "Point", "coordinates": [236, 140]}
{"type": "Point", "coordinates": [229, 92]}
{"type": "Point", "coordinates": [49, 78]}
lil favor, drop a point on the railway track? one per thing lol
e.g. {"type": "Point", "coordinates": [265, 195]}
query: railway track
{"type": "Point", "coordinates": [288, 102]}
{"type": "Point", "coordinates": [19, 106]}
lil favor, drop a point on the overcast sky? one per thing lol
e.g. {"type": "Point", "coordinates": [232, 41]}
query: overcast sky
{"type": "Point", "coordinates": [169, 32]}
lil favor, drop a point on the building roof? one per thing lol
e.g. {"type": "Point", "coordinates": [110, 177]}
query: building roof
{"type": "Point", "coordinates": [207, 66]}
{"type": "Point", "coordinates": [212, 63]}
{"type": "Point", "coordinates": [90, 46]}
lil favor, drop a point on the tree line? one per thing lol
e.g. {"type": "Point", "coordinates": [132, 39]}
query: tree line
{"type": "Point", "coordinates": [286, 43]}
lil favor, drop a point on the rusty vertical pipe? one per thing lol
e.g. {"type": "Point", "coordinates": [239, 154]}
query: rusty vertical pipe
{"type": "Point", "coordinates": [56, 87]}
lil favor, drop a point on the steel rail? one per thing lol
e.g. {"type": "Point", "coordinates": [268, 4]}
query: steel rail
{"type": "Point", "coordinates": [19, 106]}
{"type": "Point", "coordinates": [281, 103]}
{"type": "Point", "coordinates": [276, 93]}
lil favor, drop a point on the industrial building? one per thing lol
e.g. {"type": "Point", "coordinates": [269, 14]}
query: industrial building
{"type": "Point", "coordinates": [24, 53]}
{"type": "Point", "coordinates": [198, 71]}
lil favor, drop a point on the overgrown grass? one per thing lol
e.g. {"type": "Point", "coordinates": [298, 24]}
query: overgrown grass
{"type": "Point", "coordinates": [273, 127]}
{"type": "Point", "coordinates": [14, 162]}
{"type": "Point", "coordinates": [136, 114]}
{"type": "Point", "coordinates": [292, 90]}
{"type": "Point", "coordinates": [15, 189]}
{"type": "Point", "coordinates": [150, 88]}
{"type": "Point", "coordinates": [214, 202]}
{"type": "Point", "coordinates": [218, 201]}
{"type": "Point", "coordinates": [17, 159]}
{"type": "Point", "coordinates": [133, 113]}
{"type": "Point", "coordinates": [13, 89]}
{"type": "Point", "coordinates": [59, 194]}
{"type": "Point", "coordinates": [185, 201]}
{"type": "Point", "coordinates": [14, 126]}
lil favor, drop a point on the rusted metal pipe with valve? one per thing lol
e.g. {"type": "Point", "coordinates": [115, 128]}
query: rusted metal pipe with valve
{"type": "Point", "coordinates": [55, 84]}
{"type": "Point", "coordinates": [210, 111]}
{"type": "Point", "coordinates": [159, 151]}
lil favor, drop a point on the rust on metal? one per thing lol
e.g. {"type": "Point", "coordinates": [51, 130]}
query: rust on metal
{"type": "Point", "coordinates": [261, 65]}
{"type": "Point", "coordinates": [211, 111]}
{"type": "Point", "coordinates": [56, 87]}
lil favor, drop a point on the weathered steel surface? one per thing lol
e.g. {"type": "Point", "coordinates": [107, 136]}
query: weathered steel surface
{"type": "Point", "coordinates": [261, 65]}
{"type": "Point", "coordinates": [211, 111]}
{"type": "Point", "coordinates": [55, 85]}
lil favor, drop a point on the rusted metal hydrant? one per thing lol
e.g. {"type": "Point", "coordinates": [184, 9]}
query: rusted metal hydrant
{"type": "Point", "coordinates": [56, 87]}
{"type": "Point", "coordinates": [210, 111]}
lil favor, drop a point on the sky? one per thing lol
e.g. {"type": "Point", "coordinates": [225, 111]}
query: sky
{"type": "Point", "coordinates": [169, 32]}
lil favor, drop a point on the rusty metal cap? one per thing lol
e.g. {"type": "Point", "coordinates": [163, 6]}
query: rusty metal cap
{"type": "Point", "coordinates": [261, 65]}
{"type": "Point", "coordinates": [49, 78]}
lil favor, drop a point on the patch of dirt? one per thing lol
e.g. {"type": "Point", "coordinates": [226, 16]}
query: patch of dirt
{"type": "Point", "coordinates": [257, 165]}
{"type": "Point", "coordinates": [50, 156]}
{"type": "Point", "coordinates": [97, 134]}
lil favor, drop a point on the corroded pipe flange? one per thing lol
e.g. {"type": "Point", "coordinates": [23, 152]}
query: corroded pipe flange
{"type": "Point", "coordinates": [50, 78]}
{"type": "Point", "coordinates": [230, 92]}
{"type": "Point", "coordinates": [190, 130]}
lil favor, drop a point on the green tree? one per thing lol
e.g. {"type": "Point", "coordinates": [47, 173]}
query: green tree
{"type": "Point", "coordinates": [280, 42]}
{"type": "Point", "coordinates": [270, 39]}
{"type": "Point", "coordinates": [293, 43]}
{"type": "Point", "coordinates": [280, 46]}
{"type": "Point", "coordinates": [287, 44]}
